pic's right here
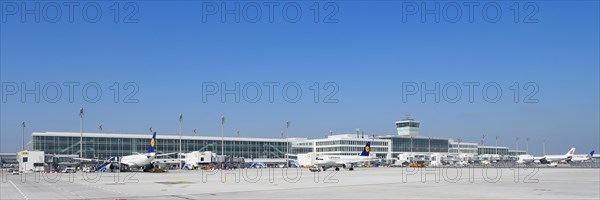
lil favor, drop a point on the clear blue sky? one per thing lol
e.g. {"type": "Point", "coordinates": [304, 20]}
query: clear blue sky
{"type": "Point", "coordinates": [368, 53]}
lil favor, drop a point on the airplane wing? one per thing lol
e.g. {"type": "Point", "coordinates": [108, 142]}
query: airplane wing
{"type": "Point", "coordinates": [351, 162]}
{"type": "Point", "coordinates": [90, 159]}
{"type": "Point", "coordinates": [165, 154]}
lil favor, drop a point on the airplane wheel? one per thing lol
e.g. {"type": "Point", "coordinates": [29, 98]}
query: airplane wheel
{"type": "Point", "coordinates": [337, 169]}
{"type": "Point", "coordinates": [351, 169]}
{"type": "Point", "coordinates": [324, 168]}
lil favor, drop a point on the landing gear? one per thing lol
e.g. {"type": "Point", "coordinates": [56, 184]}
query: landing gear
{"type": "Point", "coordinates": [124, 168]}
{"type": "Point", "coordinates": [337, 169]}
{"type": "Point", "coordinates": [351, 169]}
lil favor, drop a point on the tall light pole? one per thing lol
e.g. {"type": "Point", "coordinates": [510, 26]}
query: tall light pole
{"type": "Point", "coordinates": [497, 144]}
{"type": "Point", "coordinates": [238, 133]}
{"type": "Point", "coordinates": [100, 127]}
{"type": "Point", "coordinates": [180, 128]}
{"type": "Point", "coordinates": [526, 145]}
{"type": "Point", "coordinates": [517, 144]}
{"type": "Point", "coordinates": [482, 139]}
{"type": "Point", "coordinates": [544, 147]}
{"type": "Point", "coordinates": [155, 141]}
{"type": "Point", "coordinates": [23, 135]}
{"type": "Point", "coordinates": [81, 113]}
{"type": "Point", "coordinates": [287, 142]}
{"type": "Point", "coordinates": [222, 141]}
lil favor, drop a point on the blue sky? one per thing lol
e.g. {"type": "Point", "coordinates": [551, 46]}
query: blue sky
{"type": "Point", "coordinates": [369, 53]}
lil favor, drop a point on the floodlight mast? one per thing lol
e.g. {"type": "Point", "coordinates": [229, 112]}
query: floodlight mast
{"type": "Point", "coordinates": [81, 114]}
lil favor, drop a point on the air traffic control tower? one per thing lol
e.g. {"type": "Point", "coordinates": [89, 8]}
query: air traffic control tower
{"type": "Point", "coordinates": [408, 127]}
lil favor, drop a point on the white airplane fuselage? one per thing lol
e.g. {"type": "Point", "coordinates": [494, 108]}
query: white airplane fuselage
{"type": "Point", "coordinates": [556, 158]}
{"type": "Point", "coordinates": [328, 161]}
{"type": "Point", "coordinates": [138, 160]}
{"type": "Point", "coordinates": [581, 158]}
{"type": "Point", "coordinates": [526, 159]}
{"type": "Point", "coordinates": [547, 159]}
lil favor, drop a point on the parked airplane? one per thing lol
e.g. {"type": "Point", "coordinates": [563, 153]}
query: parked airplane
{"type": "Point", "coordinates": [526, 159]}
{"type": "Point", "coordinates": [348, 162]}
{"type": "Point", "coordinates": [582, 158]}
{"type": "Point", "coordinates": [551, 160]}
{"type": "Point", "coordinates": [132, 161]}
{"type": "Point", "coordinates": [555, 159]}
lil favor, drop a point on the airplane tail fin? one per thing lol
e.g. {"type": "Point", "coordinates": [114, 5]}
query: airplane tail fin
{"type": "Point", "coordinates": [571, 152]}
{"type": "Point", "coordinates": [366, 150]}
{"type": "Point", "coordinates": [591, 153]}
{"type": "Point", "coordinates": [152, 147]}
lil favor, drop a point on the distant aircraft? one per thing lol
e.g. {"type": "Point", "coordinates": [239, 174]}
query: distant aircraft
{"type": "Point", "coordinates": [525, 159]}
{"type": "Point", "coordinates": [551, 160]}
{"type": "Point", "coordinates": [328, 161]}
{"type": "Point", "coordinates": [577, 158]}
{"type": "Point", "coordinates": [132, 161]}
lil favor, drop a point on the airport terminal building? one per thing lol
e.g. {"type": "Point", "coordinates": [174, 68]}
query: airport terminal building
{"type": "Point", "coordinates": [351, 144]}
{"type": "Point", "coordinates": [103, 145]}
{"type": "Point", "coordinates": [407, 140]}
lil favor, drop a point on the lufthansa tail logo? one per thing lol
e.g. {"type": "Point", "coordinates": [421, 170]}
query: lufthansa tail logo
{"type": "Point", "coordinates": [367, 149]}
{"type": "Point", "coordinates": [152, 142]}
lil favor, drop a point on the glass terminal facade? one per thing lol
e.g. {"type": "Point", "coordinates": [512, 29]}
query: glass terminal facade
{"type": "Point", "coordinates": [109, 145]}
{"type": "Point", "coordinates": [402, 144]}
{"type": "Point", "coordinates": [492, 150]}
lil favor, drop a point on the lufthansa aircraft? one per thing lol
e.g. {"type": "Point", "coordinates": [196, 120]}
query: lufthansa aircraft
{"type": "Point", "coordinates": [132, 161]}
{"type": "Point", "coordinates": [328, 161]}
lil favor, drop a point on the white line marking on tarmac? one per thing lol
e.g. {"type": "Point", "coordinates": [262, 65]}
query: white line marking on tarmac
{"type": "Point", "coordinates": [57, 186]}
{"type": "Point", "coordinates": [106, 189]}
{"type": "Point", "coordinates": [19, 190]}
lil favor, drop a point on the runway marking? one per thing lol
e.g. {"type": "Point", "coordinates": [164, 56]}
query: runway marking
{"type": "Point", "coordinates": [185, 196]}
{"type": "Point", "coordinates": [106, 189]}
{"type": "Point", "coordinates": [64, 189]}
{"type": "Point", "coordinates": [19, 190]}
